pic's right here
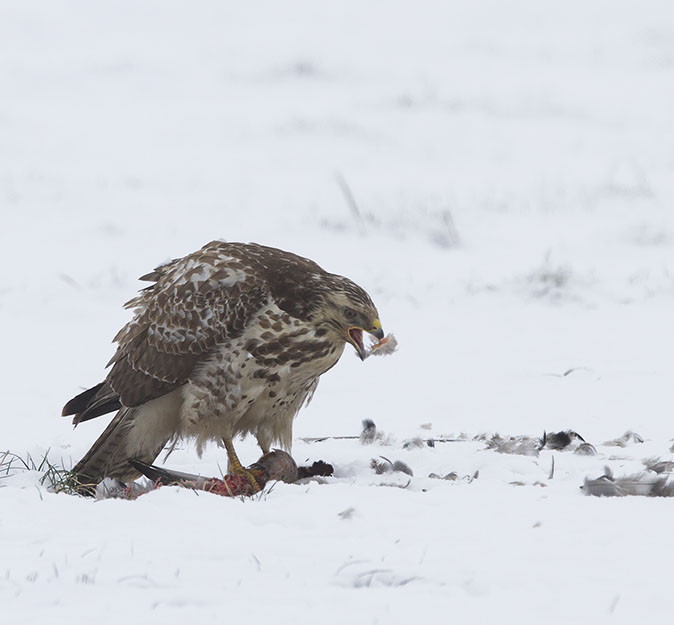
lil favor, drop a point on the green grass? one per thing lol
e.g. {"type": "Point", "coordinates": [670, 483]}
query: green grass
{"type": "Point", "coordinates": [55, 477]}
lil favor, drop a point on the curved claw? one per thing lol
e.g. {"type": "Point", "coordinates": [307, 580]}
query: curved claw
{"type": "Point", "coordinates": [236, 467]}
{"type": "Point", "coordinates": [249, 476]}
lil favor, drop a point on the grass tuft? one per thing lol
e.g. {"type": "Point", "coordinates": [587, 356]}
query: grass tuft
{"type": "Point", "coordinates": [55, 476]}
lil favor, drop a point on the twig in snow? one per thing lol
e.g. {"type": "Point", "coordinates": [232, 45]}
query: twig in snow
{"type": "Point", "coordinates": [350, 200]}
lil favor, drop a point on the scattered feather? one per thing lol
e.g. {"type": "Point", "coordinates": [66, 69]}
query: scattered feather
{"type": "Point", "coordinates": [659, 466]}
{"type": "Point", "coordinates": [369, 433]}
{"type": "Point", "coordinates": [401, 467]}
{"type": "Point", "coordinates": [585, 449]}
{"type": "Point", "coordinates": [385, 347]}
{"type": "Point", "coordinates": [114, 489]}
{"type": "Point", "coordinates": [453, 476]}
{"type": "Point", "coordinates": [386, 466]}
{"type": "Point", "coordinates": [626, 439]}
{"type": "Point", "coordinates": [560, 440]}
{"type": "Point", "coordinates": [636, 485]}
{"type": "Point", "coordinates": [395, 485]}
{"type": "Point", "coordinates": [518, 445]}
{"type": "Point", "coordinates": [347, 514]}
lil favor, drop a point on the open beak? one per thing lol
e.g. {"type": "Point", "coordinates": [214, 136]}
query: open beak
{"type": "Point", "coordinates": [356, 337]}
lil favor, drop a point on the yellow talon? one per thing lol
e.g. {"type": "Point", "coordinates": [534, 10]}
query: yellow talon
{"type": "Point", "coordinates": [236, 467]}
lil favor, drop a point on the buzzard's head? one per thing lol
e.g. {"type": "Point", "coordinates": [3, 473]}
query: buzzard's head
{"type": "Point", "coordinates": [348, 311]}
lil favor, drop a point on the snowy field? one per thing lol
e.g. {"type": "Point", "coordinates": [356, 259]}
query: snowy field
{"type": "Point", "coordinates": [512, 171]}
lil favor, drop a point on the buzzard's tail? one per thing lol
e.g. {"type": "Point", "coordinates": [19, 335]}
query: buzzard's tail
{"type": "Point", "coordinates": [109, 456]}
{"type": "Point", "coordinates": [134, 434]}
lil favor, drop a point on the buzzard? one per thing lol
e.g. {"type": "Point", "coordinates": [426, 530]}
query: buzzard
{"type": "Point", "coordinates": [228, 341]}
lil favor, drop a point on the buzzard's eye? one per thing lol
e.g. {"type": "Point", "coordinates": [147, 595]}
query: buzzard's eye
{"type": "Point", "coordinates": [349, 313]}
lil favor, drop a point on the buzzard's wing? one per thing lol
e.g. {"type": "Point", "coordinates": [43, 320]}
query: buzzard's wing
{"type": "Point", "coordinates": [196, 303]}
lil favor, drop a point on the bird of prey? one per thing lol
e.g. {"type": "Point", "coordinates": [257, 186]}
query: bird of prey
{"type": "Point", "coordinates": [228, 341]}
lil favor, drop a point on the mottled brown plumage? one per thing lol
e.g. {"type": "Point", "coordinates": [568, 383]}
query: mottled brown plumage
{"type": "Point", "coordinates": [227, 341]}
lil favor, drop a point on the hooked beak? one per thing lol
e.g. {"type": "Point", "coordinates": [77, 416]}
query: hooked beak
{"type": "Point", "coordinates": [355, 337]}
{"type": "Point", "coordinates": [377, 330]}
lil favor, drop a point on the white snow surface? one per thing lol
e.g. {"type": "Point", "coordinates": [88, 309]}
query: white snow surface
{"type": "Point", "coordinates": [512, 167]}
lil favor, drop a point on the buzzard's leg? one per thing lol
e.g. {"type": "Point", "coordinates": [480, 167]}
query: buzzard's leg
{"type": "Point", "coordinates": [236, 467]}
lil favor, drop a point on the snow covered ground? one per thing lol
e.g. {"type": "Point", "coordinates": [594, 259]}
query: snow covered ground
{"type": "Point", "coordinates": [512, 166]}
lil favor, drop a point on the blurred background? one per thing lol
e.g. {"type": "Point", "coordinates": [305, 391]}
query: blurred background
{"type": "Point", "coordinates": [498, 176]}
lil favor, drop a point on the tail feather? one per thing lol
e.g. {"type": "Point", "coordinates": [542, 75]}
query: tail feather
{"type": "Point", "coordinates": [109, 456]}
